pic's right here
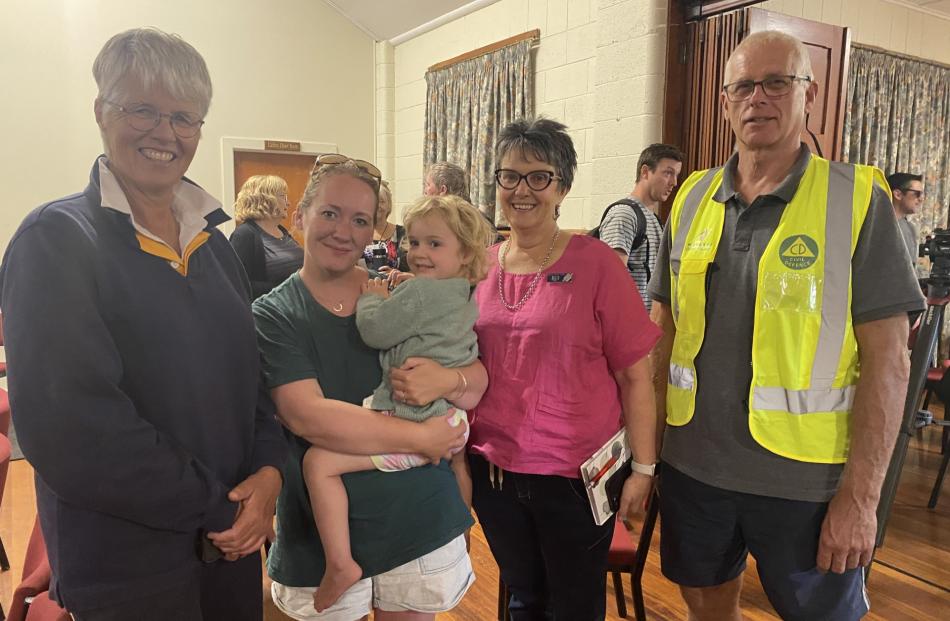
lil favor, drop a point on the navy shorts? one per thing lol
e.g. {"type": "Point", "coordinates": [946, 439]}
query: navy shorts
{"type": "Point", "coordinates": [707, 533]}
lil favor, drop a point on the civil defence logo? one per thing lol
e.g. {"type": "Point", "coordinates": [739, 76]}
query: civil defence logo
{"type": "Point", "coordinates": [798, 252]}
{"type": "Point", "coordinates": [700, 241]}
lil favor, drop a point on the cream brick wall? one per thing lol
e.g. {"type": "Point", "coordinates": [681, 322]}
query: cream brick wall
{"type": "Point", "coordinates": [600, 69]}
{"type": "Point", "coordinates": [592, 52]}
{"type": "Point", "coordinates": [891, 25]}
{"type": "Point", "coordinates": [628, 95]}
{"type": "Point", "coordinates": [385, 108]}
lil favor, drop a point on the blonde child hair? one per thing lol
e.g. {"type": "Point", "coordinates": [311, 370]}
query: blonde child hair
{"type": "Point", "coordinates": [466, 223]}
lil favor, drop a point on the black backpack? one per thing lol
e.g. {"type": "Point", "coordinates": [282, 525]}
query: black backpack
{"type": "Point", "coordinates": [641, 236]}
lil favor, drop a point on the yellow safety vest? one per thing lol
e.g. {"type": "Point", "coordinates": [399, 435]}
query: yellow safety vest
{"type": "Point", "coordinates": [804, 354]}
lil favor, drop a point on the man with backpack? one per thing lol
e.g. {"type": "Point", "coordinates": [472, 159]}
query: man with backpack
{"type": "Point", "coordinates": [630, 226]}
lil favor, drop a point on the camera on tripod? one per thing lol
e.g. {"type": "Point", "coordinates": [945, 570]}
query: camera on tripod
{"type": "Point", "coordinates": [937, 248]}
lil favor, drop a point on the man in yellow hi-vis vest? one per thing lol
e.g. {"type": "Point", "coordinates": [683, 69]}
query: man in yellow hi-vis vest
{"type": "Point", "coordinates": [782, 288]}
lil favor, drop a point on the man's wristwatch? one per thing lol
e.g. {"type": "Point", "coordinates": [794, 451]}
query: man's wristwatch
{"type": "Point", "coordinates": [649, 470]}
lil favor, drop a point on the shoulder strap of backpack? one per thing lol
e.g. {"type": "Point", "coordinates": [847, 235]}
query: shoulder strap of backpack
{"type": "Point", "coordinates": [641, 221]}
{"type": "Point", "coordinates": [647, 263]}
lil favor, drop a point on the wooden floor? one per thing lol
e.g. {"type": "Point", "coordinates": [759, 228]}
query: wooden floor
{"type": "Point", "coordinates": [913, 585]}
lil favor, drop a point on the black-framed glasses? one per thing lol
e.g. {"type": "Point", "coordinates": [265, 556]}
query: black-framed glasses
{"type": "Point", "coordinates": [144, 118]}
{"type": "Point", "coordinates": [774, 86]}
{"type": "Point", "coordinates": [329, 159]}
{"type": "Point", "coordinates": [537, 180]}
{"type": "Point", "coordinates": [916, 193]}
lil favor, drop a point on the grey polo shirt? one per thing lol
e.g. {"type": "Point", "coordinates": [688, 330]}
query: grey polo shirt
{"type": "Point", "coordinates": [716, 447]}
{"type": "Point", "coordinates": [910, 235]}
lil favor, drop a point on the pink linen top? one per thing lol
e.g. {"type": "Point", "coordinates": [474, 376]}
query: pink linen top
{"type": "Point", "coordinates": [552, 399]}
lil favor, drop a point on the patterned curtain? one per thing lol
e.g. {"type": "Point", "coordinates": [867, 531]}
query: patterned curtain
{"type": "Point", "coordinates": [898, 119]}
{"type": "Point", "coordinates": [467, 104]}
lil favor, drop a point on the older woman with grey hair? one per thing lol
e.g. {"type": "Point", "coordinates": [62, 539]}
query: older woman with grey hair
{"type": "Point", "coordinates": [446, 178]}
{"type": "Point", "coordinates": [564, 336]}
{"type": "Point", "coordinates": [136, 389]}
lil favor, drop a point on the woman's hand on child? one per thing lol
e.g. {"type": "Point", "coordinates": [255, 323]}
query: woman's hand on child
{"type": "Point", "coordinates": [377, 286]}
{"type": "Point", "coordinates": [440, 440]}
{"type": "Point", "coordinates": [420, 381]}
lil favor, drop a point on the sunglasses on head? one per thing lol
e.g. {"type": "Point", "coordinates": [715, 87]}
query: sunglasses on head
{"type": "Point", "coordinates": [330, 159]}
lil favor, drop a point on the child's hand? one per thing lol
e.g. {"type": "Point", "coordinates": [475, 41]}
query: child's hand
{"type": "Point", "coordinates": [377, 286]}
{"type": "Point", "coordinates": [395, 278]}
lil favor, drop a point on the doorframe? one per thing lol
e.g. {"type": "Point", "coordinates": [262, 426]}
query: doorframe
{"type": "Point", "coordinates": [231, 145]}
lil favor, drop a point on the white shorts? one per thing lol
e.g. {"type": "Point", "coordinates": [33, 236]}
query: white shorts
{"type": "Point", "coordinates": [432, 583]}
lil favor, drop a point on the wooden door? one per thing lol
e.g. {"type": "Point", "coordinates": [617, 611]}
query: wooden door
{"type": "Point", "coordinates": [696, 54]}
{"type": "Point", "coordinates": [829, 48]}
{"type": "Point", "coordinates": [294, 168]}
{"type": "Point", "coordinates": [697, 50]}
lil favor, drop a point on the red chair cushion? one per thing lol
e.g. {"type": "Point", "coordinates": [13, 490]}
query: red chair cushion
{"type": "Point", "coordinates": [4, 413]}
{"type": "Point", "coordinates": [935, 374]}
{"type": "Point", "coordinates": [45, 609]}
{"type": "Point", "coordinates": [623, 547]}
{"type": "Point", "coordinates": [36, 574]}
{"type": "Point", "coordinates": [5, 450]}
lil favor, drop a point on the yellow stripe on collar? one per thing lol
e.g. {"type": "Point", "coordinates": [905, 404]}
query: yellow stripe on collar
{"type": "Point", "coordinates": [164, 251]}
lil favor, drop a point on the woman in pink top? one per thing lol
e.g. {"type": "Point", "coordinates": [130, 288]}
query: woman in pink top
{"type": "Point", "coordinates": [564, 336]}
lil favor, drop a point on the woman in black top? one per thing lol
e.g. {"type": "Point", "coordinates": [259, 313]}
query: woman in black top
{"type": "Point", "coordinates": [269, 253]}
{"type": "Point", "coordinates": [386, 250]}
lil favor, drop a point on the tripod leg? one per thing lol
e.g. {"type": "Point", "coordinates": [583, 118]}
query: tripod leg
{"type": "Point", "coordinates": [935, 494]}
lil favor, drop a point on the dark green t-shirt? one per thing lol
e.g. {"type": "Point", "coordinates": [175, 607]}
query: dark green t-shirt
{"type": "Point", "coordinates": [395, 517]}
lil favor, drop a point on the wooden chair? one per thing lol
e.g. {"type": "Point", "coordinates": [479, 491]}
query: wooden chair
{"type": "Point", "coordinates": [503, 597]}
{"type": "Point", "coordinates": [3, 364]}
{"type": "Point", "coordinates": [4, 413]}
{"type": "Point", "coordinates": [43, 608]}
{"type": "Point", "coordinates": [629, 557]}
{"type": "Point", "coordinates": [4, 466]}
{"type": "Point", "coordinates": [31, 600]}
{"type": "Point", "coordinates": [934, 375]}
{"type": "Point", "coordinates": [625, 557]}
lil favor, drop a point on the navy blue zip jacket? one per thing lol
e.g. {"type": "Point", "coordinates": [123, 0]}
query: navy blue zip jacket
{"type": "Point", "coordinates": [135, 393]}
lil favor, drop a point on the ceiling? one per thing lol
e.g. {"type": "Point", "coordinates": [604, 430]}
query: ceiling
{"type": "Point", "coordinates": [385, 20]}
{"type": "Point", "coordinates": [388, 19]}
{"type": "Point", "coordinates": [941, 7]}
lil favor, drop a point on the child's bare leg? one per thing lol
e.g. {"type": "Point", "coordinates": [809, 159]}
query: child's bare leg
{"type": "Point", "coordinates": [328, 499]}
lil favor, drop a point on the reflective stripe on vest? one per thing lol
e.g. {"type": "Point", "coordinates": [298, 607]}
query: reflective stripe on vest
{"type": "Point", "coordinates": [804, 354]}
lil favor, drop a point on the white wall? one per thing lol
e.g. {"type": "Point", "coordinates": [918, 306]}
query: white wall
{"type": "Point", "coordinates": [282, 69]}
{"type": "Point", "coordinates": [894, 26]}
{"type": "Point", "coordinates": [599, 69]}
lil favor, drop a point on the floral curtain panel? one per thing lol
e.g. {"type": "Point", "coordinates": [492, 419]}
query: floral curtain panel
{"type": "Point", "coordinates": [467, 104]}
{"type": "Point", "coordinates": [898, 119]}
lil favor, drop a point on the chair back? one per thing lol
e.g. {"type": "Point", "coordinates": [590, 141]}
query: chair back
{"type": "Point", "coordinates": [36, 575]}
{"type": "Point", "coordinates": [5, 449]}
{"type": "Point", "coordinates": [4, 413]}
{"type": "Point", "coordinates": [45, 609]}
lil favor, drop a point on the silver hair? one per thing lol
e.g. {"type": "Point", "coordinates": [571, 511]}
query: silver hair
{"type": "Point", "coordinates": [452, 176]}
{"type": "Point", "coordinates": [154, 58]}
{"type": "Point", "coordinates": [384, 189]}
{"type": "Point", "coordinates": [798, 52]}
